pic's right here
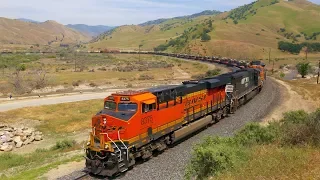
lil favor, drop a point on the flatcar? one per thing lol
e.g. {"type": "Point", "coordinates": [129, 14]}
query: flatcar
{"type": "Point", "coordinates": [133, 124]}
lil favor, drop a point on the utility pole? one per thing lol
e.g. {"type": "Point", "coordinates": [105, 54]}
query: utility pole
{"type": "Point", "coordinates": [306, 53]}
{"type": "Point", "coordinates": [273, 67]}
{"type": "Point", "coordinates": [318, 73]}
{"type": "Point", "coordinates": [75, 62]}
{"type": "Point", "coordinates": [139, 50]}
{"type": "Point", "coordinates": [269, 54]}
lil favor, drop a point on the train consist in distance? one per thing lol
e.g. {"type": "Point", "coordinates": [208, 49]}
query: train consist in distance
{"type": "Point", "coordinates": [134, 124]}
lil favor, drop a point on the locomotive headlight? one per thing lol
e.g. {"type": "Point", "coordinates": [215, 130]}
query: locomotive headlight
{"type": "Point", "coordinates": [106, 146]}
{"type": "Point", "coordinates": [104, 120]}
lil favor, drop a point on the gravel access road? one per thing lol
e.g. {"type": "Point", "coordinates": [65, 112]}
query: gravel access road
{"type": "Point", "coordinates": [15, 104]}
{"type": "Point", "coordinates": [170, 165]}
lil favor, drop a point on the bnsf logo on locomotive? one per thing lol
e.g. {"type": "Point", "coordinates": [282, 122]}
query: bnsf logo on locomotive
{"type": "Point", "coordinates": [147, 120]}
{"type": "Point", "coordinates": [195, 99]}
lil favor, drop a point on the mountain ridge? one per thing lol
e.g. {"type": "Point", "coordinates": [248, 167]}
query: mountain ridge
{"type": "Point", "coordinates": [43, 33]}
{"type": "Point", "coordinates": [158, 21]}
{"type": "Point", "coordinates": [246, 31]}
{"type": "Point", "coordinates": [90, 30]}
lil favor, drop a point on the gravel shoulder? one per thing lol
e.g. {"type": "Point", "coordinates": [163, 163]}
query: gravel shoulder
{"type": "Point", "coordinates": [171, 164]}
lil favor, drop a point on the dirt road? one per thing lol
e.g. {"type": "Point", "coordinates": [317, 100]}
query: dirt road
{"type": "Point", "coordinates": [16, 104]}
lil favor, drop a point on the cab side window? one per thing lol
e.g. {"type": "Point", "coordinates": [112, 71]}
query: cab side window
{"type": "Point", "coordinates": [148, 107]}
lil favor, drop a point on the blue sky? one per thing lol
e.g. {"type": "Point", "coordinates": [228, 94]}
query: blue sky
{"type": "Point", "coordinates": [110, 12]}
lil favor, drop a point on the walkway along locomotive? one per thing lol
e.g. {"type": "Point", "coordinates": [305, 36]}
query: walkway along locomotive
{"type": "Point", "coordinates": [133, 124]}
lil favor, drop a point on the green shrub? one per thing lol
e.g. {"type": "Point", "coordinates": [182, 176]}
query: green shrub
{"type": "Point", "coordinates": [303, 68]}
{"type": "Point", "coordinates": [299, 128]}
{"type": "Point", "coordinates": [294, 117]}
{"type": "Point", "coordinates": [205, 37]}
{"type": "Point", "coordinates": [282, 75]}
{"type": "Point", "coordinates": [254, 133]}
{"type": "Point", "coordinates": [214, 72]}
{"type": "Point", "coordinates": [213, 156]}
{"type": "Point", "coordinates": [64, 144]}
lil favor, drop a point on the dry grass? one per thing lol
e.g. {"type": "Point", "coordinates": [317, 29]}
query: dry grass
{"type": "Point", "coordinates": [61, 72]}
{"type": "Point", "coordinates": [272, 162]}
{"type": "Point", "coordinates": [59, 118]}
{"type": "Point", "coordinates": [307, 88]}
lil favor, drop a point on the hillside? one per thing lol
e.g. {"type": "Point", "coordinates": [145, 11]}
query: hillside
{"type": "Point", "coordinates": [159, 21]}
{"type": "Point", "coordinates": [50, 32]}
{"type": "Point", "coordinates": [90, 30]}
{"type": "Point", "coordinates": [245, 32]}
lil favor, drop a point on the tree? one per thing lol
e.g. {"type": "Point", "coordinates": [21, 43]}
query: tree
{"type": "Point", "coordinates": [303, 68]}
{"type": "Point", "coordinates": [210, 24]}
{"type": "Point", "coordinates": [205, 37]}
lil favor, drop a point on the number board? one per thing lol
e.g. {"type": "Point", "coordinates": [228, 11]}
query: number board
{"type": "Point", "coordinates": [229, 88]}
{"type": "Point", "coordinates": [124, 98]}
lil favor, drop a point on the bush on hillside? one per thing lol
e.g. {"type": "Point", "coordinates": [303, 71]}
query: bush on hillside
{"type": "Point", "coordinates": [299, 128]}
{"type": "Point", "coordinates": [213, 156]}
{"type": "Point", "coordinates": [205, 37]}
{"type": "Point", "coordinates": [64, 144]}
{"type": "Point", "coordinates": [303, 68]}
{"type": "Point", "coordinates": [213, 72]}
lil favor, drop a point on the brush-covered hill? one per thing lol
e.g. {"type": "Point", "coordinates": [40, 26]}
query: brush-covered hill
{"type": "Point", "coordinates": [248, 31]}
{"type": "Point", "coordinates": [18, 32]}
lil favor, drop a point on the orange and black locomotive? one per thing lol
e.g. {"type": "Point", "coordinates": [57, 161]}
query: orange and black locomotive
{"type": "Point", "coordinates": [133, 124]}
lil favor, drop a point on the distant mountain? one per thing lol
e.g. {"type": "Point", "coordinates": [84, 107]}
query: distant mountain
{"type": "Point", "coordinates": [42, 33]}
{"type": "Point", "coordinates": [28, 20]}
{"type": "Point", "coordinates": [159, 21]}
{"type": "Point", "coordinates": [90, 30]}
{"type": "Point", "coordinates": [246, 31]}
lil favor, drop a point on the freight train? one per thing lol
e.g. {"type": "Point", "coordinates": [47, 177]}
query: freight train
{"type": "Point", "coordinates": [134, 124]}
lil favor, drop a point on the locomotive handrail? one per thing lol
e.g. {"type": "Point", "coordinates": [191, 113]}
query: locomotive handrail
{"type": "Point", "coordinates": [113, 143]}
{"type": "Point", "coordinates": [124, 145]}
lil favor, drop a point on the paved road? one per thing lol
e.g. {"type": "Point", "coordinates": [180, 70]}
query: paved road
{"type": "Point", "coordinates": [15, 104]}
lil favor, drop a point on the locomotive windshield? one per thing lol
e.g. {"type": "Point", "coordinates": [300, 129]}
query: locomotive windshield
{"type": "Point", "coordinates": [110, 105]}
{"type": "Point", "coordinates": [127, 107]}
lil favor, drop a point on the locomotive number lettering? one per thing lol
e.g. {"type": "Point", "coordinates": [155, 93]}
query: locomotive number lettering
{"type": "Point", "coordinates": [147, 120]}
{"type": "Point", "coordinates": [125, 99]}
{"type": "Point", "coordinates": [196, 99]}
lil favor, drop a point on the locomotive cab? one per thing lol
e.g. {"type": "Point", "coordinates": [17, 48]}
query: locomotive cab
{"type": "Point", "coordinates": [107, 151]}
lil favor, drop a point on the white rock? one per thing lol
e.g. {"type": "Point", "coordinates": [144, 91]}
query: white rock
{"type": "Point", "coordinates": [28, 141]}
{"type": "Point", "coordinates": [9, 148]}
{"type": "Point", "coordinates": [17, 139]}
{"type": "Point", "coordinates": [38, 133]}
{"type": "Point", "coordinates": [19, 144]}
{"type": "Point", "coordinates": [23, 138]}
{"type": "Point", "coordinates": [3, 138]}
{"type": "Point", "coordinates": [38, 138]}
{"type": "Point", "coordinates": [28, 132]}
{"type": "Point", "coordinates": [4, 146]}
{"type": "Point", "coordinates": [8, 129]}
{"type": "Point", "coordinates": [31, 138]}
{"type": "Point", "coordinates": [10, 134]}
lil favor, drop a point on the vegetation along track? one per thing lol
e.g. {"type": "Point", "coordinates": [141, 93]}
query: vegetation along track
{"type": "Point", "coordinates": [171, 163]}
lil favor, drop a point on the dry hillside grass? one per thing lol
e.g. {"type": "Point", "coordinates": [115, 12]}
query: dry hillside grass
{"type": "Point", "coordinates": [19, 32]}
{"type": "Point", "coordinates": [247, 39]}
